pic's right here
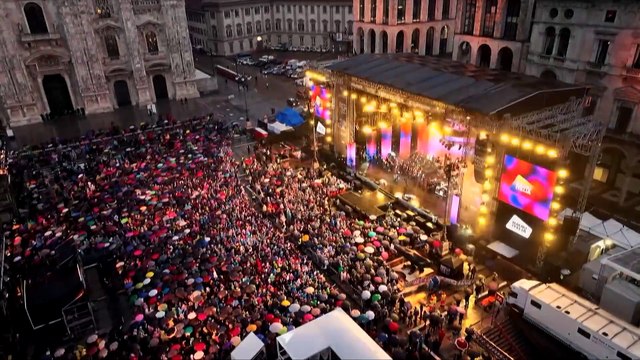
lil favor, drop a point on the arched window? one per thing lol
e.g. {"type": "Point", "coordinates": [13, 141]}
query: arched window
{"type": "Point", "coordinates": [239, 29]}
{"type": "Point", "coordinates": [415, 39]}
{"type": "Point", "coordinates": [511, 20]}
{"type": "Point", "coordinates": [325, 26]}
{"type": "Point", "coordinates": [563, 42]}
{"type": "Point", "coordinates": [444, 39]}
{"type": "Point", "coordinates": [374, 11]}
{"type": "Point", "coordinates": [267, 25]}
{"type": "Point", "coordinates": [428, 50]}
{"type": "Point", "coordinates": [289, 24]}
{"type": "Point", "coordinates": [249, 28]}
{"type": "Point", "coordinates": [258, 27]}
{"type": "Point", "coordinates": [301, 25]}
{"type": "Point", "coordinates": [214, 32]}
{"type": "Point", "coordinates": [152, 42]}
{"type": "Point", "coordinates": [228, 31]}
{"type": "Point", "coordinates": [446, 9]}
{"type": "Point", "coordinates": [400, 42]}
{"type": "Point", "coordinates": [103, 8]}
{"type": "Point", "coordinates": [313, 25]}
{"type": "Point", "coordinates": [337, 24]}
{"type": "Point", "coordinates": [549, 40]}
{"type": "Point", "coordinates": [35, 18]}
{"type": "Point", "coordinates": [350, 27]}
{"type": "Point", "coordinates": [111, 45]}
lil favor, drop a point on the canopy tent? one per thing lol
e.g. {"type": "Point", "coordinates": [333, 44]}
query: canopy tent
{"type": "Point", "coordinates": [334, 331]}
{"type": "Point", "coordinates": [621, 235]}
{"type": "Point", "coordinates": [289, 117]}
{"type": "Point", "coordinates": [248, 348]}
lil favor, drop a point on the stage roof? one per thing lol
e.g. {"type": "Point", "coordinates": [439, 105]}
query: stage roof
{"type": "Point", "coordinates": [481, 90]}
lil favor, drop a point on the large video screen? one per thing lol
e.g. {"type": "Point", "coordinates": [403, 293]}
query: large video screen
{"type": "Point", "coordinates": [527, 187]}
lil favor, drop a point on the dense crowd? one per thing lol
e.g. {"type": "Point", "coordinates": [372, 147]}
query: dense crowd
{"type": "Point", "coordinates": [209, 248]}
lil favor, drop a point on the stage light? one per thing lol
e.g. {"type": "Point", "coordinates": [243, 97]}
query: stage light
{"type": "Point", "coordinates": [368, 108]}
{"type": "Point", "coordinates": [448, 130]}
{"type": "Point", "coordinates": [345, 93]}
{"type": "Point", "coordinates": [555, 205]}
{"type": "Point", "coordinates": [367, 130]}
{"type": "Point", "coordinates": [486, 186]}
{"type": "Point", "coordinates": [485, 197]}
{"type": "Point", "coordinates": [482, 220]}
{"type": "Point", "coordinates": [395, 111]}
{"type": "Point", "coordinates": [504, 138]}
{"type": "Point", "coordinates": [363, 99]}
{"type": "Point", "coordinates": [563, 173]}
{"type": "Point", "coordinates": [328, 121]}
{"type": "Point", "coordinates": [393, 105]}
{"type": "Point", "coordinates": [559, 189]}
{"type": "Point", "coordinates": [491, 160]}
{"type": "Point", "coordinates": [384, 108]}
{"type": "Point", "coordinates": [483, 209]}
{"type": "Point", "coordinates": [527, 145]}
{"type": "Point", "coordinates": [382, 125]}
{"type": "Point", "coordinates": [354, 96]}
{"type": "Point", "coordinates": [488, 173]}
{"type": "Point", "coordinates": [483, 135]}
{"type": "Point", "coordinates": [328, 138]}
{"type": "Point", "coordinates": [419, 120]}
{"type": "Point", "coordinates": [328, 130]}
{"type": "Point", "coordinates": [540, 149]}
{"type": "Point", "coordinates": [548, 236]}
{"type": "Point", "coordinates": [418, 114]}
{"type": "Point", "coordinates": [552, 153]}
{"type": "Point", "coordinates": [552, 221]}
{"type": "Point", "coordinates": [515, 141]}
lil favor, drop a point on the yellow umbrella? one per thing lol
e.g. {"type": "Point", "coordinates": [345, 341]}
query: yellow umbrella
{"type": "Point", "coordinates": [149, 275]}
{"type": "Point", "coordinates": [402, 238]}
{"type": "Point", "coordinates": [285, 302]}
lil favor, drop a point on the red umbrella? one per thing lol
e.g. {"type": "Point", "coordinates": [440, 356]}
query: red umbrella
{"type": "Point", "coordinates": [269, 317]}
{"type": "Point", "coordinates": [200, 346]}
{"type": "Point", "coordinates": [393, 326]}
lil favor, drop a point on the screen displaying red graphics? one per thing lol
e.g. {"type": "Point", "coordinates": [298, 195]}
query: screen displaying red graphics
{"type": "Point", "coordinates": [527, 187]}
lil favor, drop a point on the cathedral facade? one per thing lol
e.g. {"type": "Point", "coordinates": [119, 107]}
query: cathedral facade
{"type": "Point", "coordinates": [57, 56]}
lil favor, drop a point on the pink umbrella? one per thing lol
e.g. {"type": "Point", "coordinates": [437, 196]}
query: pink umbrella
{"type": "Point", "coordinates": [377, 279]}
{"type": "Point", "coordinates": [139, 317]}
{"type": "Point", "coordinates": [379, 229]}
{"type": "Point", "coordinates": [376, 243]}
{"type": "Point", "coordinates": [307, 317]}
{"type": "Point", "coordinates": [347, 232]}
{"type": "Point", "coordinates": [384, 255]}
{"type": "Point", "coordinates": [402, 230]}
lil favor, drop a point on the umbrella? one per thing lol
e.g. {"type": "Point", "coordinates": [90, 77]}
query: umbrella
{"type": "Point", "coordinates": [342, 296]}
{"type": "Point", "coordinates": [370, 315]}
{"type": "Point", "coordinates": [393, 326]}
{"type": "Point", "coordinates": [275, 327]}
{"type": "Point", "coordinates": [200, 354]}
{"type": "Point", "coordinates": [369, 250]}
{"type": "Point", "coordinates": [355, 313]}
{"type": "Point", "coordinates": [285, 302]}
{"type": "Point", "coordinates": [235, 341]}
{"type": "Point", "coordinates": [305, 308]}
{"type": "Point", "coordinates": [376, 297]}
{"type": "Point", "coordinates": [371, 234]}
{"type": "Point", "coordinates": [307, 317]}
{"type": "Point", "coordinates": [359, 240]}
{"type": "Point", "coordinates": [382, 288]}
{"type": "Point", "coordinates": [310, 290]}
{"type": "Point", "coordinates": [366, 295]}
{"type": "Point", "coordinates": [294, 308]}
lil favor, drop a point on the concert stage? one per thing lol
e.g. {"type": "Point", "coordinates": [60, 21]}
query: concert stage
{"type": "Point", "coordinates": [370, 202]}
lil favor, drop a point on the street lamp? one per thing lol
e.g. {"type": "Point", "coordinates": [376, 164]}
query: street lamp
{"type": "Point", "coordinates": [242, 80]}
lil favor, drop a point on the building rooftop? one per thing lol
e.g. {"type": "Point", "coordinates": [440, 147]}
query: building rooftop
{"type": "Point", "coordinates": [475, 89]}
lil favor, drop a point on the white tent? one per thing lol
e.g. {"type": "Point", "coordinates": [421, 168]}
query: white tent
{"type": "Point", "coordinates": [334, 331]}
{"type": "Point", "coordinates": [606, 229]}
{"type": "Point", "coordinates": [586, 221]}
{"type": "Point", "coordinates": [250, 346]}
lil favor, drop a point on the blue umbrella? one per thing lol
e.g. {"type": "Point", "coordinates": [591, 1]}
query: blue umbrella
{"type": "Point", "coordinates": [289, 117]}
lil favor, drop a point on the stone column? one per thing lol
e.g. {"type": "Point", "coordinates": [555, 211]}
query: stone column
{"type": "Point", "coordinates": [367, 41]}
{"type": "Point", "coordinates": [367, 10]}
{"type": "Point", "coordinates": [135, 53]}
{"type": "Point", "coordinates": [87, 63]}
{"type": "Point", "coordinates": [179, 48]}
{"type": "Point", "coordinates": [477, 28]}
{"type": "Point", "coordinates": [408, 14]}
{"type": "Point", "coordinates": [501, 17]}
{"type": "Point", "coordinates": [393, 13]}
{"type": "Point", "coordinates": [379, 42]}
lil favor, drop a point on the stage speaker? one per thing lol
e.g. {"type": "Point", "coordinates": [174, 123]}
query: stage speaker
{"type": "Point", "coordinates": [569, 228]}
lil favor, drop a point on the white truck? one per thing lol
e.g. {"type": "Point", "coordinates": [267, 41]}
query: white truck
{"type": "Point", "coordinates": [573, 320]}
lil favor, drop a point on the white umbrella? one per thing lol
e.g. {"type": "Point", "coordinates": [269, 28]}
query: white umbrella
{"type": "Point", "coordinates": [160, 314]}
{"type": "Point", "coordinates": [305, 308]}
{"type": "Point", "coordinates": [424, 237]}
{"type": "Point", "coordinates": [355, 313]}
{"type": "Point", "coordinates": [382, 288]}
{"type": "Point", "coordinates": [310, 290]}
{"type": "Point", "coordinates": [275, 327]}
{"type": "Point", "coordinates": [370, 315]}
{"type": "Point", "coordinates": [356, 233]}
{"type": "Point", "coordinates": [359, 240]}
{"type": "Point", "coordinates": [294, 308]}
{"type": "Point", "coordinates": [369, 250]}
{"type": "Point", "coordinates": [59, 352]}
{"type": "Point", "coordinates": [366, 295]}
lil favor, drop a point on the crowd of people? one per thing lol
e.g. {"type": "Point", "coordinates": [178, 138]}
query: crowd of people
{"type": "Point", "coordinates": [208, 247]}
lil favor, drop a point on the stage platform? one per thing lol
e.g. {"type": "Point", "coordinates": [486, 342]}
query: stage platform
{"type": "Point", "coordinates": [370, 202]}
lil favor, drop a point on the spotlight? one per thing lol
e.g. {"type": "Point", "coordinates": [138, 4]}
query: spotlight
{"type": "Point", "coordinates": [491, 160]}
{"type": "Point", "coordinates": [483, 209]}
{"type": "Point", "coordinates": [486, 186]}
{"type": "Point", "coordinates": [559, 189]}
{"type": "Point", "coordinates": [504, 138]}
{"type": "Point", "coordinates": [548, 236]}
{"type": "Point", "coordinates": [363, 99]}
{"type": "Point", "coordinates": [515, 141]}
{"type": "Point", "coordinates": [328, 138]}
{"type": "Point", "coordinates": [345, 93]}
{"type": "Point", "coordinates": [540, 149]}
{"type": "Point", "coordinates": [482, 220]}
{"type": "Point", "coordinates": [555, 205]}
{"type": "Point", "coordinates": [552, 153]}
{"type": "Point", "coordinates": [488, 173]}
{"type": "Point", "coordinates": [552, 221]}
{"type": "Point", "coordinates": [485, 197]}
{"type": "Point", "coordinates": [367, 130]}
{"type": "Point", "coordinates": [563, 173]}
{"type": "Point", "coordinates": [354, 96]}
{"type": "Point", "coordinates": [527, 145]}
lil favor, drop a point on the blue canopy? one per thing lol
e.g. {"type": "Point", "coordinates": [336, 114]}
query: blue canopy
{"type": "Point", "coordinates": [289, 117]}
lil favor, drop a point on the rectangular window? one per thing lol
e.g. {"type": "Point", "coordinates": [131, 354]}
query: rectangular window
{"type": "Point", "coordinates": [247, 11]}
{"type": "Point", "coordinates": [535, 304]}
{"type": "Point", "coordinates": [401, 11]}
{"type": "Point", "coordinates": [601, 52]}
{"type": "Point", "coordinates": [610, 16]}
{"type": "Point", "coordinates": [236, 12]}
{"type": "Point", "coordinates": [288, 9]}
{"type": "Point", "coordinates": [374, 11]}
{"type": "Point", "coordinates": [277, 9]}
{"type": "Point", "coordinates": [337, 9]}
{"type": "Point", "coordinates": [256, 10]}
{"type": "Point", "coordinates": [324, 9]}
{"type": "Point", "coordinates": [313, 41]}
{"type": "Point", "coordinates": [300, 9]}
{"type": "Point", "coordinates": [584, 333]}
{"type": "Point", "coordinates": [431, 10]}
{"type": "Point", "coordinates": [511, 22]}
{"type": "Point", "coordinates": [385, 11]}
{"type": "Point", "coordinates": [350, 9]}
{"type": "Point", "coordinates": [266, 9]}
{"type": "Point", "coordinates": [636, 59]}
{"type": "Point", "coordinates": [445, 9]}
{"type": "Point", "coordinates": [623, 118]}
{"type": "Point", "coordinates": [416, 10]}
{"type": "Point", "coordinates": [490, 10]}
{"type": "Point", "coordinates": [312, 9]}
{"type": "Point", "coordinates": [469, 17]}
{"type": "Point", "coordinates": [227, 14]}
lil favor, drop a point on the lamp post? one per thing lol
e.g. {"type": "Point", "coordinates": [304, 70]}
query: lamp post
{"type": "Point", "coordinates": [242, 80]}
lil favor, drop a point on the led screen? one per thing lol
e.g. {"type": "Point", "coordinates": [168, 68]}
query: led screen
{"type": "Point", "coordinates": [527, 187]}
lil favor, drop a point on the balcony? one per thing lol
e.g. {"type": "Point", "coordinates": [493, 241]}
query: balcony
{"type": "Point", "coordinates": [28, 38]}
{"type": "Point", "coordinates": [144, 6]}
